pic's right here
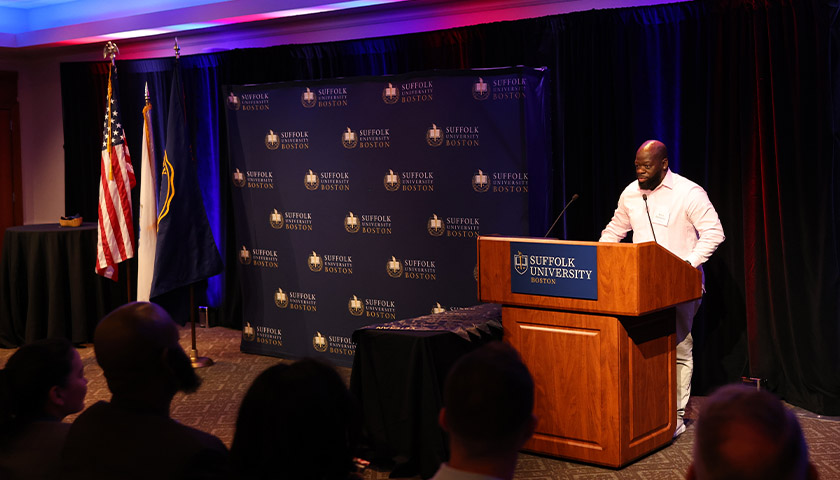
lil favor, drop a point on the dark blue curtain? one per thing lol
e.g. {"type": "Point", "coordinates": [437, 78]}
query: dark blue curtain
{"type": "Point", "coordinates": [742, 92]}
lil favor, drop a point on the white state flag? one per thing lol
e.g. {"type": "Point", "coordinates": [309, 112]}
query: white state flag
{"type": "Point", "coordinates": [148, 209]}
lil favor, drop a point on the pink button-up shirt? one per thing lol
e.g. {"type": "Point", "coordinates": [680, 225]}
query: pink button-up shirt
{"type": "Point", "coordinates": [684, 220]}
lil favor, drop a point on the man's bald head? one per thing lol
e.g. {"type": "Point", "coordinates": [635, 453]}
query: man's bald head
{"type": "Point", "coordinates": [653, 148]}
{"type": "Point", "coordinates": [745, 434]}
{"type": "Point", "coordinates": [137, 344]}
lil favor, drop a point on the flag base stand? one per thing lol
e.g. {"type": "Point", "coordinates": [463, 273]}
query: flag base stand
{"type": "Point", "coordinates": [199, 362]}
{"type": "Point", "coordinates": [195, 360]}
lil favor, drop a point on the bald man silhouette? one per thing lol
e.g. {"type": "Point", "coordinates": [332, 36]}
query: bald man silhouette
{"type": "Point", "coordinates": [747, 434]}
{"type": "Point", "coordinates": [132, 436]}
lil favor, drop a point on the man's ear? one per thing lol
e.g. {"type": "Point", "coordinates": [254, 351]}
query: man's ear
{"type": "Point", "coordinates": [167, 365]}
{"type": "Point", "coordinates": [532, 425]}
{"type": "Point", "coordinates": [442, 420]}
{"type": "Point", "coordinates": [55, 396]}
{"type": "Point", "coordinates": [529, 430]}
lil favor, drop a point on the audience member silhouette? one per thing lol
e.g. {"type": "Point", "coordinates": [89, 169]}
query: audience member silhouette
{"type": "Point", "coordinates": [297, 422]}
{"type": "Point", "coordinates": [747, 434]}
{"type": "Point", "coordinates": [488, 404]}
{"type": "Point", "coordinates": [42, 383]}
{"type": "Point", "coordinates": [132, 436]}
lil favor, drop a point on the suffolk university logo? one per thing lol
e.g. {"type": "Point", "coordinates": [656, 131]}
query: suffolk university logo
{"type": "Point", "coordinates": [276, 219]}
{"type": "Point", "coordinates": [480, 182]}
{"type": "Point", "coordinates": [330, 263]}
{"type": "Point", "coordinates": [272, 141]}
{"type": "Point", "coordinates": [390, 95]}
{"type": "Point", "coordinates": [259, 179]}
{"type": "Point", "coordinates": [394, 268]}
{"type": "Point", "coordinates": [355, 306]}
{"type": "Point", "coordinates": [500, 182]}
{"type": "Point", "coordinates": [480, 90]}
{"type": "Point", "coordinates": [417, 91]}
{"type": "Point", "coordinates": [464, 227]}
{"type": "Point", "coordinates": [371, 224]}
{"type": "Point", "coordinates": [434, 136]}
{"type": "Point", "coordinates": [351, 223]}
{"type": "Point", "coordinates": [349, 139]}
{"type": "Point", "coordinates": [453, 136]}
{"type": "Point", "coordinates": [319, 342]}
{"type": "Point", "coordinates": [325, 97]}
{"type": "Point", "coordinates": [435, 226]}
{"type": "Point", "coordinates": [391, 181]}
{"type": "Point", "coordinates": [233, 102]}
{"type": "Point", "coordinates": [308, 98]}
{"type": "Point", "coordinates": [248, 332]}
{"type": "Point", "coordinates": [413, 269]}
{"type": "Point", "coordinates": [303, 301]}
{"type": "Point", "coordinates": [290, 220]}
{"type": "Point", "coordinates": [263, 334]}
{"type": "Point", "coordinates": [281, 299]}
{"type": "Point", "coordinates": [315, 262]}
{"type": "Point", "coordinates": [413, 181]}
{"type": "Point", "coordinates": [244, 256]}
{"type": "Point", "coordinates": [311, 180]}
{"type": "Point", "coordinates": [239, 178]}
{"type": "Point", "coordinates": [248, 102]}
{"type": "Point", "coordinates": [520, 263]}
{"type": "Point", "coordinates": [258, 257]}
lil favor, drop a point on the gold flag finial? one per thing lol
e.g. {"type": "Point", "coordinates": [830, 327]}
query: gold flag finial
{"type": "Point", "coordinates": [110, 50]}
{"type": "Point", "coordinates": [177, 49]}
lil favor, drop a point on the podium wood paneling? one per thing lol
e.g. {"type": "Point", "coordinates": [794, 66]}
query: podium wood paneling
{"type": "Point", "coordinates": [605, 369]}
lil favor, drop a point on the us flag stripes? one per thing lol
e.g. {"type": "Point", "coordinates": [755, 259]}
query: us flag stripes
{"type": "Point", "coordinates": [116, 179]}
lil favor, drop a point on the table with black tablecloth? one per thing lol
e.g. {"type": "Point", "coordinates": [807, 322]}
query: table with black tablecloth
{"type": "Point", "coordinates": [48, 285]}
{"type": "Point", "coordinates": [398, 373]}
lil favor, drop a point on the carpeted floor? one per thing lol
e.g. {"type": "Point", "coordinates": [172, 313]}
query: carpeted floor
{"type": "Point", "coordinates": [214, 408]}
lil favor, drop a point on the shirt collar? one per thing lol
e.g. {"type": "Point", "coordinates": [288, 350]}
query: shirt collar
{"type": "Point", "coordinates": [667, 182]}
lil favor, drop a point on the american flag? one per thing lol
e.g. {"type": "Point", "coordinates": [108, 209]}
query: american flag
{"type": "Point", "coordinates": [116, 179]}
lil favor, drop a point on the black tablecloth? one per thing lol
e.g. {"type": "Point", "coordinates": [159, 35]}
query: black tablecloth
{"type": "Point", "coordinates": [48, 286]}
{"type": "Point", "coordinates": [398, 374]}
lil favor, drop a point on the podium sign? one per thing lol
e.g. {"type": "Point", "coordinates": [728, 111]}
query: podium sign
{"type": "Point", "coordinates": [556, 270]}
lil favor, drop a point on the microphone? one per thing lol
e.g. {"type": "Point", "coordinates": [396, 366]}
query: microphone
{"type": "Point", "coordinates": [644, 197]}
{"type": "Point", "coordinates": [574, 197]}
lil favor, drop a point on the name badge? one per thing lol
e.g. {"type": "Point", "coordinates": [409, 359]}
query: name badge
{"type": "Point", "coordinates": [660, 216]}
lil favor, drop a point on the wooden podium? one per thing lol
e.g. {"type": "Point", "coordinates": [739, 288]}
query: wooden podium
{"type": "Point", "coordinates": [605, 368]}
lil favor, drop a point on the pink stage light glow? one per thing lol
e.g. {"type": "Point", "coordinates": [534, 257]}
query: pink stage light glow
{"type": "Point", "coordinates": [295, 12]}
{"type": "Point", "coordinates": [146, 32]}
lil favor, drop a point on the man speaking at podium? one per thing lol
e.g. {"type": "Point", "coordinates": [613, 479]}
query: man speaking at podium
{"type": "Point", "coordinates": [676, 213]}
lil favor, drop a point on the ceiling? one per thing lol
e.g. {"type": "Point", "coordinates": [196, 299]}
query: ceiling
{"type": "Point", "coordinates": [29, 26]}
{"type": "Point", "coordinates": [29, 23]}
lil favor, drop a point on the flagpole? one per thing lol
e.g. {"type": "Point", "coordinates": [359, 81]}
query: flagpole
{"type": "Point", "coordinates": [128, 281]}
{"type": "Point", "coordinates": [197, 362]}
{"type": "Point", "coordinates": [111, 50]}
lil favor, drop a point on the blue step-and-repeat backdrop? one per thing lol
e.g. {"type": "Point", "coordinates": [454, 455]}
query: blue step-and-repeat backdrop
{"type": "Point", "coordinates": [358, 201]}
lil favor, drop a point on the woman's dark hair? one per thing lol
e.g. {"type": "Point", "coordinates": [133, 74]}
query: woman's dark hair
{"type": "Point", "coordinates": [26, 380]}
{"type": "Point", "coordinates": [298, 422]}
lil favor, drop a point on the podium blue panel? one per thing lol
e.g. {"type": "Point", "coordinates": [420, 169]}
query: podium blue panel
{"type": "Point", "coordinates": [554, 270]}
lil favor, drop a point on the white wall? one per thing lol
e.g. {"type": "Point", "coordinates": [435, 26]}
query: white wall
{"type": "Point", "coordinates": [42, 138]}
